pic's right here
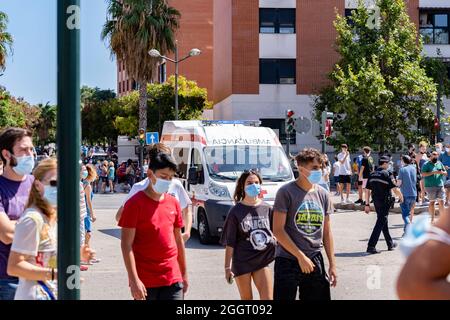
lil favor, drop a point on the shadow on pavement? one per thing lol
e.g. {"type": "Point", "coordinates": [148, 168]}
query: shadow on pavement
{"type": "Point", "coordinates": [351, 254]}
{"type": "Point", "coordinates": [112, 232]}
{"type": "Point", "coordinates": [194, 243]}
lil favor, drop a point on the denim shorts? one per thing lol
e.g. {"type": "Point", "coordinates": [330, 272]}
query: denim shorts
{"type": "Point", "coordinates": [435, 193]}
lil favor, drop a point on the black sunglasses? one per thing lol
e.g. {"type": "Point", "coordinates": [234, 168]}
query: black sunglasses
{"type": "Point", "coordinates": [252, 171]}
{"type": "Point", "coordinates": [53, 183]}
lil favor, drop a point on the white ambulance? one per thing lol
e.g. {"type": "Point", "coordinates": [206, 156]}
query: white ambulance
{"type": "Point", "coordinates": [211, 155]}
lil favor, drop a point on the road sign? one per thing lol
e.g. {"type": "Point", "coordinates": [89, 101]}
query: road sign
{"type": "Point", "coordinates": [302, 125]}
{"type": "Point", "coordinates": [151, 138]}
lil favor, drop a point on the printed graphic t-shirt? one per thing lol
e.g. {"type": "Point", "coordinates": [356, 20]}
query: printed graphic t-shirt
{"type": "Point", "coordinates": [306, 212]}
{"type": "Point", "coordinates": [155, 249]}
{"type": "Point", "coordinates": [36, 238]}
{"type": "Point", "coordinates": [247, 230]}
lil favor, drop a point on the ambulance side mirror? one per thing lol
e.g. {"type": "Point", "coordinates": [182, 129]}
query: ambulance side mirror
{"type": "Point", "coordinates": [193, 176]}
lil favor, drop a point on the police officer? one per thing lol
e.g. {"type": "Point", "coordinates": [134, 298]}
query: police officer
{"type": "Point", "coordinates": [381, 182]}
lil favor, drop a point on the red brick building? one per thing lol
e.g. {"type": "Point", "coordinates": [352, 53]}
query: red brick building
{"type": "Point", "coordinates": [261, 57]}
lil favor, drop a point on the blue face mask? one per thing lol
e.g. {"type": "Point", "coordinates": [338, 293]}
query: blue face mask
{"type": "Point", "coordinates": [84, 174]}
{"type": "Point", "coordinates": [24, 165]}
{"type": "Point", "coordinates": [161, 185]}
{"type": "Point", "coordinates": [419, 232]}
{"type": "Point", "coordinates": [253, 190]}
{"type": "Point", "coordinates": [315, 176]}
{"type": "Point", "coordinates": [51, 195]}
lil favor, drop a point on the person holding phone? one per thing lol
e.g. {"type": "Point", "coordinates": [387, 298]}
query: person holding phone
{"type": "Point", "coordinates": [250, 244]}
{"type": "Point", "coordinates": [434, 175]}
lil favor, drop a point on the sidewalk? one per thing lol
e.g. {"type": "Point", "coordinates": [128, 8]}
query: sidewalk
{"type": "Point", "coordinates": [357, 207]}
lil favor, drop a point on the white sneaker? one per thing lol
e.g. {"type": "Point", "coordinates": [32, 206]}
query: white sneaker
{"type": "Point", "coordinates": [348, 201]}
{"type": "Point", "coordinates": [342, 201]}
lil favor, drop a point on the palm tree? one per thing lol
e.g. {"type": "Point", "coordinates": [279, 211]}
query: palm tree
{"type": "Point", "coordinates": [6, 41]}
{"type": "Point", "coordinates": [132, 29]}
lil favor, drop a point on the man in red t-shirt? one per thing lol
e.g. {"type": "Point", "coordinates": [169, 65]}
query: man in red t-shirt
{"type": "Point", "coordinates": [152, 245]}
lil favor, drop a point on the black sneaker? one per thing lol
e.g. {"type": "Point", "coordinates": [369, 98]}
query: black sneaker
{"type": "Point", "coordinates": [358, 201]}
{"type": "Point", "coordinates": [372, 251]}
{"type": "Point", "coordinates": [394, 245]}
{"type": "Point", "coordinates": [363, 203]}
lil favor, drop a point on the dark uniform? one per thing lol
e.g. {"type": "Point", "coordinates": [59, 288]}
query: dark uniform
{"type": "Point", "coordinates": [381, 182]}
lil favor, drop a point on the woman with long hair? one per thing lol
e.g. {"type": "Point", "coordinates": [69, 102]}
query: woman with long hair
{"type": "Point", "coordinates": [34, 248]}
{"type": "Point", "coordinates": [88, 175]}
{"type": "Point", "coordinates": [247, 235]}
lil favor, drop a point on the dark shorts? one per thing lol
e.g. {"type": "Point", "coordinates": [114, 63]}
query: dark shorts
{"type": "Point", "coordinates": [345, 179]}
{"type": "Point", "coordinates": [290, 280]}
{"type": "Point", "coordinates": [173, 292]}
{"type": "Point", "coordinates": [8, 289]}
{"type": "Point", "coordinates": [104, 179]}
{"type": "Point", "coordinates": [360, 182]}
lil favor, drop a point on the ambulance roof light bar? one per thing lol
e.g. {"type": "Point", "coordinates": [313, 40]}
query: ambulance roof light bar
{"type": "Point", "coordinates": [250, 123]}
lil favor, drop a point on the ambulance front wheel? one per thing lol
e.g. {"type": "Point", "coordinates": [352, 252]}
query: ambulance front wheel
{"type": "Point", "coordinates": [203, 229]}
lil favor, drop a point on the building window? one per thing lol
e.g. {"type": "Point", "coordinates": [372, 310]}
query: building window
{"type": "Point", "coordinates": [120, 87]}
{"type": "Point", "coordinates": [133, 85]}
{"type": "Point", "coordinates": [128, 85]}
{"type": "Point", "coordinates": [163, 73]}
{"type": "Point", "coordinates": [434, 27]}
{"type": "Point", "coordinates": [277, 71]}
{"type": "Point", "coordinates": [277, 21]}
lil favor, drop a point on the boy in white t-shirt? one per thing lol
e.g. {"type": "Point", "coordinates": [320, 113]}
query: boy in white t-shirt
{"type": "Point", "coordinates": [345, 173]}
{"type": "Point", "coordinates": [176, 189]}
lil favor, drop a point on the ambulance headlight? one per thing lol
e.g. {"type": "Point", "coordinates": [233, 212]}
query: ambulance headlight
{"type": "Point", "coordinates": [218, 191]}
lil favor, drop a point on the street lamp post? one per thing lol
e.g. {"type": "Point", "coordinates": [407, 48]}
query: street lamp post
{"type": "Point", "coordinates": [68, 138]}
{"type": "Point", "coordinates": [193, 53]}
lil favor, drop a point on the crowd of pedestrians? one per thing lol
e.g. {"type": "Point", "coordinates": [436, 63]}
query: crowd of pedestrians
{"type": "Point", "coordinates": [156, 221]}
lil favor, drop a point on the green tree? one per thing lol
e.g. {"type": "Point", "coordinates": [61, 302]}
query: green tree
{"type": "Point", "coordinates": [98, 115]}
{"type": "Point", "coordinates": [379, 89]}
{"type": "Point", "coordinates": [161, 106]}
{"type": "Point", "coordinates": [6, 41]}
{"type": "Point", "coordinates": [133, 28]}
{"type": "Point", "coordinates": [45, 126]}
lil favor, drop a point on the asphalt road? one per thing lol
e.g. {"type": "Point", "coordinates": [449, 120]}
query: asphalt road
{"type": "Point", "coordinates": [360, 276]}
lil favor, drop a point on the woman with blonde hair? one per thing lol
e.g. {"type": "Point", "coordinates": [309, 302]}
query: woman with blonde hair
{"type": "Point", "coordinates": [34, 248]}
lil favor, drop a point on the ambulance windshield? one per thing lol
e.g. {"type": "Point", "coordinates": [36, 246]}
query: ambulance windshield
{"type": "Point", "coordinates": [229, 162]}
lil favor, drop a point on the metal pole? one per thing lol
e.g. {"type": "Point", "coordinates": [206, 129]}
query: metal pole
{"type": "Point", "coordinates": [438, 111]}
{"type": "Point", "coordinates": [176, 80]}
{"type": "Point", "coordinates": [288, 141]}
{"type": "Point", "coordinates": [323, 143]}
{"type": "Point", "coordinates": [68, 139]}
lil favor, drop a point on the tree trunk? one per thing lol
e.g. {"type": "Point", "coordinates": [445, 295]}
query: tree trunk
{"type": "Point", "coordinates": [143, 105]}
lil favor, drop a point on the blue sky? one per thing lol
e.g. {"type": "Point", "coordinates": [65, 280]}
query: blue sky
{"type": "Point", "coordinates": [31, 71]}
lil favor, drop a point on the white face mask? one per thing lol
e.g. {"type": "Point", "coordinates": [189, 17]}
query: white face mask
{"type": "Point", "coordinates": [51, 195]}
{"type": "Point", "coordinates": [419, 232]}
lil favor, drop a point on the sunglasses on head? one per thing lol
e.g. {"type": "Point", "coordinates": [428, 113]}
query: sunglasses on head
{"type": "Point", "coordinates": [252, 171]}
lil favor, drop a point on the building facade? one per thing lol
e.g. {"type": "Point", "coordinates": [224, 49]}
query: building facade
{"type": "Point", "coordinates": [262, 57]}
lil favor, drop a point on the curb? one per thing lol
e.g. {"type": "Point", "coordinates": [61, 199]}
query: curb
{"type": "Point", "coordinates": [396, 210]}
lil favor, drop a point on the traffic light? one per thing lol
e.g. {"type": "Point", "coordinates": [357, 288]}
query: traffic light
{"type": "Point", "coordinates": [327, 123]}
{"type": "Point", "coordinates": [141, 136]}
{"type": "Point", "coordinates": [290, 121]}
{"type": "Point", "coordinates": [436, 124]}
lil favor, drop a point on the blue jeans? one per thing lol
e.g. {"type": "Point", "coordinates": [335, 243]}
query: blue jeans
{"type": "Point", "coordinates": [406, 206]}
{"type": "Point", "coordinates": [8, 289]}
